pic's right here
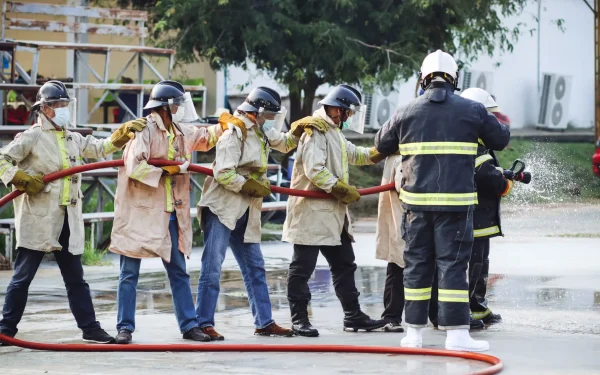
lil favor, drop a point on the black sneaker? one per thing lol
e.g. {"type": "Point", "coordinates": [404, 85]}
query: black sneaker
{"type": "Point", "coordinates": [393, 327]}
{"type": "Point", "coordinates": [5, 333]}
{"type": "Point", "coordinates": [124, 337]}
{"type": "Point", "coordinates": [492, 319]}
{"type": "Point", "coordinates": [98, 336]}
{"type": "Point", "coordinates": [196, 334]}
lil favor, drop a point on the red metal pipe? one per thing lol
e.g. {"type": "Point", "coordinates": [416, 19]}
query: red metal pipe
{"type": "Point", "coordinates": [194, 168]}
{"type": "Point", "coordinates": [496, 363]}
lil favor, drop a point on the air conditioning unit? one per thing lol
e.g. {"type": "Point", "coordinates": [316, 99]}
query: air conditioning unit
{"type": "Point", "coordinates": [381, 106]}
{"type": "Point", "coordinates": [554, 102]}
{"type": "Point", "coordinates": [476, 78]}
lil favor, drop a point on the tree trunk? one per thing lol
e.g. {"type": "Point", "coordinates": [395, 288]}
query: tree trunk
{"type": "Point", "coordinates": [310, 88]}
{"type": "Point", "coordinates": [295, 104]}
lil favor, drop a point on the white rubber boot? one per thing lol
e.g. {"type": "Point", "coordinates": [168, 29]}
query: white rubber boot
{"type": "Point", "coordinates": [460, 340]}
{"type": "Point", "coordinates": [413, 338]}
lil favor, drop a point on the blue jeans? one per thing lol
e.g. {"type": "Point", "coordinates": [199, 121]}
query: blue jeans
{"type": "Point", "coordinates": [183, 302]}
{"type": "Point", "coordinates": [250, 260]}
{"type": "Point", "coordinates": [78, 291]}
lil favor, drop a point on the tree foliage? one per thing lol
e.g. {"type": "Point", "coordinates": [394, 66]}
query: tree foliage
{"type": "Point", "coordinates": [305, 43]}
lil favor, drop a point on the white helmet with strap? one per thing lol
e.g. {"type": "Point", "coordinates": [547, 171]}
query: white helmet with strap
{"type": "Point", "coordinates": [439, 64]}
{"type": "Point", "coordinates": [481, 96]}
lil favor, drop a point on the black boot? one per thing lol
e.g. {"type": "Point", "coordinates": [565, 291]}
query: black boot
{"type": "Point", "coordinates": [475, 323]}
{"type": "Point", "coordinates": [356, 320]}
{"type": "Point", "coordinates": [492, 319]}
{"type": "Point", "coordinates": [300, 323]}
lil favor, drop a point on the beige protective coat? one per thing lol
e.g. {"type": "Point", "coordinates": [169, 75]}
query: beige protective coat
{"type": "Point", "coordinates": [235, 160]}
{"type": "Point", "coordinates": [389, 243]}
{"type": "Point", "coordinates": [42, 149]}
{"type": "Point", "coordinates": [142, 205]}
{"type": "Point", "coordinates": [321, 159]}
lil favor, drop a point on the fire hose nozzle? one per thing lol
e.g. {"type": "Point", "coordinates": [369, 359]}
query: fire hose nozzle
{"type": "Point", "coordinates": [523, 177]}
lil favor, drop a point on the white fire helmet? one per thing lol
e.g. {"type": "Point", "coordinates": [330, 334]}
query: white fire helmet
{"type": "Point", "coordinates": [481, 96]}
{"type": "Point", "coordinates": [439, 62]}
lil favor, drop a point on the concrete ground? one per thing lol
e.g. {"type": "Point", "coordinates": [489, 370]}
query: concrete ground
{"type": "Point", "coordinates": [545, 282]}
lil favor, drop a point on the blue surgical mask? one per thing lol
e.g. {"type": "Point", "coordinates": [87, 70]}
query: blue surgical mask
{"type": "Point", "coordinates": [268, 125]}
{"type": "Point", "coordinates": [61, 116]}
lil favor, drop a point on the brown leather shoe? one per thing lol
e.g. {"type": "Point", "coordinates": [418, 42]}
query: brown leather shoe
{"type": "Point", "coordinates": [274, 330]}
{"type": "Point", "coordinates": [214, 335]}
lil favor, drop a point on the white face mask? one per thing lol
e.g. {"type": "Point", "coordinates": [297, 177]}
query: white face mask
{"type": "Point", "coordinates": [179, 115]}
{"type": "Point", "coordinates": [61, 116]}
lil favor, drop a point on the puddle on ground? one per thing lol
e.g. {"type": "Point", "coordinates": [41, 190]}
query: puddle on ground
{"type": "Point", "coordinates": [510, 292]}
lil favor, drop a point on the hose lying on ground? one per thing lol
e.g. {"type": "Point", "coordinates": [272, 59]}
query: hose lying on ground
{"type": "Point", "coordinates": [496, 363]}
{"type": "Point", "coordinates": [496, 367]}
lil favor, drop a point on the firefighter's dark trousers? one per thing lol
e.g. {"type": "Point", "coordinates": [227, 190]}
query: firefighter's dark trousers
{"type": "Point", "coordinates": [479, 268]}
{"type": "Point", "coordinates": [442, 239]}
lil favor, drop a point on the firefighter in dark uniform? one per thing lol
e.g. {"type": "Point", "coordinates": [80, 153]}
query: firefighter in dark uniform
{"type": "Point", "coordinates": [437, 135]}
{"type": "Point", "coordinates": [492, 185]}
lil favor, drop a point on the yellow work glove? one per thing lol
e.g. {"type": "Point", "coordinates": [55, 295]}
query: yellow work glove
{"type": "Point", "coordinates": [306, 125]}
{"type": "Point", "coordinates": [255, 188]}
{"type": "Point", "coordinates": [127, 132]}
{"type": "Point", "coordinates": [176, 169]}
{"type": "Point", "coordinates": [29, 184]}
{"type": "Point", "coordinates": [375, 156]}
{"type": "Point", "coordinates": [345, 193]}
{"type": "Point", "coordinates": [225, 119]}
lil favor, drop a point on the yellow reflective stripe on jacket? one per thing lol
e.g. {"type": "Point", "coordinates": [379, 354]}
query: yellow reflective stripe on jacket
{"type": "Point", "coordinates": [421, 294]}
{"type": "Point", "coordinates": [477, 315]}
{"type": "Point", "coordinates": [4, 165]}
{"type": "Point", "coordinates": [486, 231]}
{"type": "Point", "coordinates": [482, 159]}
{"type": "Point", "coordinates": [289, 143]}
{"type": "Point", "coordinates": [433, 148]}
{"type": "Point", "coordinates": [65, 198]}
{"type": "Point", "coordinates": [438, 199]}
{"type": "Point", "coordinates": [109, 148]}
{"type": "Point", "coordinates": [227, 177]}
{"type": "Point", "coordinates": [344, 156]}
{"type": "Point", "coordinates": [141, 171]}
{"type": "Point", "coordinates": [213, 137]}
{"type": "Point", "coordinates": [169, 179]}
{"type": "Point", "coordinates": [322, 177]}
{"type": "Point", "coordinates": [453, 295]}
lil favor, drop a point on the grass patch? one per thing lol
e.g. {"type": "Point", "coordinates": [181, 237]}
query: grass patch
{"type": "Point", "coordinates": [562, 172]}
{"type": "Point", "coordinates": [92, 256]}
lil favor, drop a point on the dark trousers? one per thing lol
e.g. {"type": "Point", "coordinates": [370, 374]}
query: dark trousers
{"type": "Point", "coordinates": [479, 268]}
{"type": "Point", "coordinates": [393, 294]}
{"type": "Point", "coordinates": [71, 269]}
{"type": "Point", "coordinates": [437, 242]}
{"type": "Point", "coordinates": [342, 266]}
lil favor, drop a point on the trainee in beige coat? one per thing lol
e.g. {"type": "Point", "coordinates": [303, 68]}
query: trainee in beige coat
{"type": "Point", "coordinates": [43, 149]}
{"type": "Point", "coordinates": [145, 198]}
{"type": "Point", "coordinates": [237, 159]}
{"type": "Point", "coordinates": [389, 243]}
{"type": "Point", "coordinates": [321, 159]}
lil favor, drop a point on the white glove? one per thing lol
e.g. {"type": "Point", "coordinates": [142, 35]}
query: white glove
{"type": "Point", "coordinates": [272, 134]}
{"type": "Point", "coordinates": [183, 167]}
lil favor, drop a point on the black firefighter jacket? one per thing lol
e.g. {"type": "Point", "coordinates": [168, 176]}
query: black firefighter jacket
{"type": "Point", "coordinates": [437, 135]}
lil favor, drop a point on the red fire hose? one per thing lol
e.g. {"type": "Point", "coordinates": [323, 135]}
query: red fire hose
{"type": "Point", "coordinates": [496, 367]}
{"type": "Point", "coordinates": [194, 168]}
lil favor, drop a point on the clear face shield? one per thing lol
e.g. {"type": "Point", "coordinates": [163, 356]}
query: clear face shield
{"type": "Point", "coordinates": [272, 120]}
{"type": "Point", "coordinates": [182, 109]}
{"type": "Point", "coordinates": [356, 118]}
{"type": "Point", "coordinates": [61, 112]}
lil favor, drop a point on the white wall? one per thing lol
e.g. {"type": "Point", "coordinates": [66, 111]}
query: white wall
{"type": "Point", "coordinates": [515, 79]}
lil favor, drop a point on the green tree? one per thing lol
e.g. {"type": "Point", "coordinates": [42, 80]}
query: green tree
{"type": "Point", "coordinates": [306, 43]}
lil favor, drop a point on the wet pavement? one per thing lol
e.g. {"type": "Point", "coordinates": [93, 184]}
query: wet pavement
{"type": "Point", "coordinates": [545, 282]}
